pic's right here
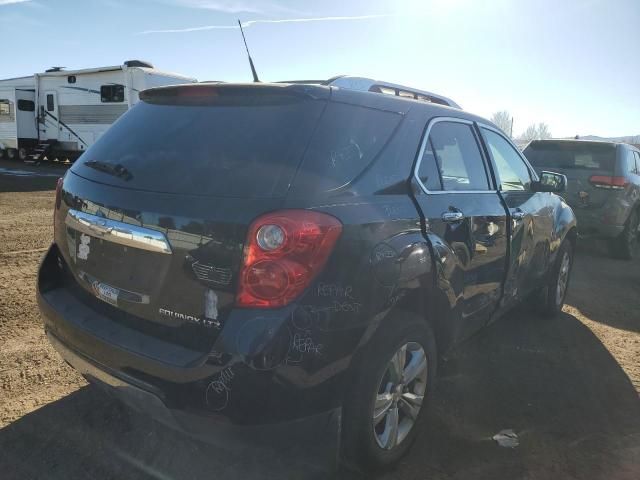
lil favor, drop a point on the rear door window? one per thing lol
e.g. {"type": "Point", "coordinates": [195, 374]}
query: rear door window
{"type": "Point", "coordinates": [513, 173]}
{"type": "Point", "coordinates": [453, 150]}
{"type": "Point", "coordinates": [428, 169]}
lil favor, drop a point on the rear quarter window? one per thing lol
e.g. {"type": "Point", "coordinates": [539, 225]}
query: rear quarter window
{"type": "Point", "coordinates": [345, 143]}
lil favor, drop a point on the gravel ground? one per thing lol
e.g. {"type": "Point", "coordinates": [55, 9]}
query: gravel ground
{"type": "Point", "coordinates": [568, 387]}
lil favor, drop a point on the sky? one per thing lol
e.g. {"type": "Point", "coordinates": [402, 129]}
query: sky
{"type": "Point", "coordinates": [573, 64]}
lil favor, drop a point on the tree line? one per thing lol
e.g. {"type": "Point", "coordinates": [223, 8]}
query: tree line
{"type": "Point", "coordinates": [535, 131]}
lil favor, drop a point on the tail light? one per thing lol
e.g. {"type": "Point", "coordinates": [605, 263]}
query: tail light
{"type": "Point", "coordinates": [284, 252]}
{"type": "Point", "coordinates": [605, 181]}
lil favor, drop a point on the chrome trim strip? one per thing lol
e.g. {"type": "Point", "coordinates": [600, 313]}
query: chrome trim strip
{"type": "Point", "coordinates": [118, 232]}
{"type": "Point", "coordinates": [423, 146]}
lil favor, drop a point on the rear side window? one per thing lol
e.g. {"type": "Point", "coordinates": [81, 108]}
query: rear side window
{"type": "Point", "coordinates": [453, 150]}
{"type": "Point", "coordinates": [630, 160]}
{"type": "Point", "coordinates": [637, 157]}
{"type": "Point", "coordinates": [347, 140]}
{"type": "Point", "coordinates": [512, 171]}
{"type": "Point", "coordinates": [571, 155]}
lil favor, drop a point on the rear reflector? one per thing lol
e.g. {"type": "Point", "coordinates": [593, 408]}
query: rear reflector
{"type": "Point", "coordinates": [284, 252]}
{"type": "Point", "coordinates": [605, 181]}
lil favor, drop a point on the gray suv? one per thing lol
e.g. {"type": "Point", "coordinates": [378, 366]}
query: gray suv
{"type": "Point", "coordinates": [603, 187]}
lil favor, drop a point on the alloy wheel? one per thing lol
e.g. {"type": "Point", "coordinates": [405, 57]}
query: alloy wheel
{"type": "Point", "coordinates": [400, 395]}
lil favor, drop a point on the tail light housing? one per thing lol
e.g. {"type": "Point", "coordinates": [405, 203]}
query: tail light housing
{"type": "Point", "coordinates": [284, 252]}
{"type": "Point", "coordinates": [612, 183]}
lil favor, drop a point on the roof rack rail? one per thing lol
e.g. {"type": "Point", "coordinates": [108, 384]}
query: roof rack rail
{"type": "Point", "coordinates": [377, 86]}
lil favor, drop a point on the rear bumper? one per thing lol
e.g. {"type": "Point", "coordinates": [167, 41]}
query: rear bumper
{"type": "Point", "coordinates": [217, 396]}
{"type": "Point", "coordinates": [601, 222]}
{"type": "Point", "coordinates": [297, 448]}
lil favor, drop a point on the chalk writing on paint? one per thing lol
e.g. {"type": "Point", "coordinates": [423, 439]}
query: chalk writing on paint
{"type": "Point", "coordinates": [334, 290]}
{"type": "Point", "coordinates": [304, 344]}
{"type": "Point", "coordinates": [383, 252]}
{"type": "Point", "coordinates": [217, 393]}
{"type": "Point", "coordinates": [391, 211]}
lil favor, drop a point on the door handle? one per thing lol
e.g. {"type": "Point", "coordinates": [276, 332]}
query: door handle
{"type": "Point", "coordinates": [518, 214]}
{"type": "Point", "coordinates": [452, 217]}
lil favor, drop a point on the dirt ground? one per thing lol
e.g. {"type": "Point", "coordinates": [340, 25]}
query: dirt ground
{"type": "Point", "coordinates": [568, 387]}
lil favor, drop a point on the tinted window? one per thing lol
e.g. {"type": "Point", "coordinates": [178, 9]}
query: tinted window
{"type": "Point", "coordinates": [112, 93]}
{"type": "Point", "coordinates": [4, 107]}
{"type": "Point", "coordinates": [252, 150]}
{"type": "Point", "coordinates": [637, 155]}
{"type": "Point", "coordinates": [26, 105]}
{"type": "Point", "coordinates": [428, 171]}
{"type": "Point", "coordinates": [50, 104]}
{"type": "Point", "coordinates": [347, 140]}
{"type": "Point", "coordinates": [630, 160]}
{"type": "Point", "coordinates": [458, 157]}
{"type": "Point", "coordinates": [573, 155]}
{"type": "Point", "coordinates": [513, 173]}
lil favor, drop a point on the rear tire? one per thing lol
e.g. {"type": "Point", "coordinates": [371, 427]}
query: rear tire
{"type": "Point", "coordinates": [22, 153]}
{"type": "Point", "coordinates": [391, 384]}
{"type": "Point", "coordinates": [625, 247]}
{"type": "Point", "coordinates": [551, 297]}
{"type": "Point", "coordinates": [12, 154]}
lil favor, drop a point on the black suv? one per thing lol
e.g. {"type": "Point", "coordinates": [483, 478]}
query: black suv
{"type": "Point", "coordinates": [231, 256]}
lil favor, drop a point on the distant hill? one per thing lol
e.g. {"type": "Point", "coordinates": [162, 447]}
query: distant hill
{"type": "Point", "coordinates": [628, 139]}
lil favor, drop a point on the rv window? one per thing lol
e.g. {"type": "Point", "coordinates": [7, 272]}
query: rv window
{"type": "Point", "coordinates": [26, 105]}
{"type": "Point", "coordinates": [50, 106]}
{"type": "Point", "coordinates": [112, 93]}
{"type": "Point", "coordinates": [4, 107]}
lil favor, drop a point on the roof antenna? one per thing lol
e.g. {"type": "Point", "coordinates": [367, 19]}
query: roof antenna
{"type": "Point", "coordinates": [253, 69]}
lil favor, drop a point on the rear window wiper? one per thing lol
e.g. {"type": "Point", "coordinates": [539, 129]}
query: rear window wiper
{"type": "Point", "coordinates": [116, 170]}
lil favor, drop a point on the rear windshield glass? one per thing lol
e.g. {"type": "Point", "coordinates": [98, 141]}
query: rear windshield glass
{"type": "Point", "coordinates": [248, 150]}
{"type": "Point", "coordinates": [589, 156]}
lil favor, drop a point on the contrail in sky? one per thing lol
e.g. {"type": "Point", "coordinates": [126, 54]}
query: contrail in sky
{"type": "Point", "coordinates": [255, 22]}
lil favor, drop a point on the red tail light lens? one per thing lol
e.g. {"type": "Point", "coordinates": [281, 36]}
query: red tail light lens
{"type": "Point", "coordinates": [605, 181]}
{"type": "Point", "coordinates": [285, 250]}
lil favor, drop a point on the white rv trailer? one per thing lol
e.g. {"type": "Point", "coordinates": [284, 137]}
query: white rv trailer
{"type": "Point", "coordinates": [18, 128]}
{"type": "Point", "coordinates": [73, 108]}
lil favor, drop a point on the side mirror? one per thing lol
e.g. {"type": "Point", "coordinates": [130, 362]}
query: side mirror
{"type": "Point", "coordinates": [550, 182]}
